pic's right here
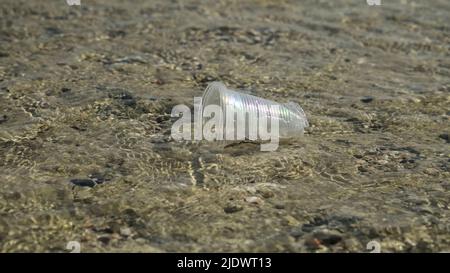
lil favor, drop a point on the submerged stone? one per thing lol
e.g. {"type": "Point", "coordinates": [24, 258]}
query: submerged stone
{"type": "Point", "coordinates": [83, 182]}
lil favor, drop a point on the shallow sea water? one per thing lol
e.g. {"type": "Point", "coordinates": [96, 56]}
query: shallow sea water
{"type": "Point", "coordinates": [86, 93]}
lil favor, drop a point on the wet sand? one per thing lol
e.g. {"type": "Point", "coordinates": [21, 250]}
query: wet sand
{"type": "Point", "coordinates": [85, 149]}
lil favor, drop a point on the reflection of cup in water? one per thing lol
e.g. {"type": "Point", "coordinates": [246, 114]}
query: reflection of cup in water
{"type": "Point", "coordinates": [73, 2]}
{"type": "Point", "coordinates": [373, 2]}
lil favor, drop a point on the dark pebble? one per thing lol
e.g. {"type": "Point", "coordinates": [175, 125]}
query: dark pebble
{"type": "Point", "coordinates": [297, 232]}
{"type": "Point", "coordinates": [162, 119]}
{"type": "Point", "coordinates": [53, 31]}
{"type": "Point", "coordinates": [129, 212]}
{"type": "Point", "coordinates": [104, 239]}
{"type": "Point", "coordinates": [124, 96]}
{"type": "Point", "coordinates": [445, 137]}
{"type": "Point", "coordinates": [367, 99]}
{"type": "Point", "coordinates": [14, 195]}
{"type": "Point", "coordinates": [232, 208]}
{"type": "Point", "coordinates": [83, 182]}
{"type": "Point", "coordinates": [3, 118]}
{"type": "Point", "coordinates": [79, 127]}
{"type": "Point", "coordinates": [116, 33]}
{"type": "Point", "coordinates": [308, 227]}
{"type": "Point", "coordinates": [129, 102]}
{"type": "Point", "coordinates": [404, 161]}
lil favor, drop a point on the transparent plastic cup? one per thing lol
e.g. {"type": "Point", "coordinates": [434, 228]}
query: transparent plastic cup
{"type": "Point", "coordinates": [290, 116]}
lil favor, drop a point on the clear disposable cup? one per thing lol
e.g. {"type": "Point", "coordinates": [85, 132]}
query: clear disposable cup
{"type": "Point", "coordinates": [290, 116]}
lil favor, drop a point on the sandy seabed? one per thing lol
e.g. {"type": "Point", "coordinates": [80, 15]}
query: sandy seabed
{"type": "Point", "coordinates": [86, 155]}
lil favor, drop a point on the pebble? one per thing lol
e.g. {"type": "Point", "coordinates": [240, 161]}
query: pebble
{"type": "Point", "coordinates": [328, 237]}
{"type": "Point", "coordinates": [312, 243]}
{"type": "Point", "coordinates": [266, 193]}
{"type": "Point", "coordinates": [431, 171]}
{"type": "Point", "coordinates": [445, 137]}
{"type": "Point", "coordinates": [361, 61]}
{"type": "Point", "coordinates": [15, 195]}
{"type": "Point", "coordinates": [141, 241]}
{"type": "Point", "coordinates": [352, 244]}
{"type": "Point", "coordinates": [104, 239]}
{"type": "Point", "coordinates": [289, 220]}
{"type": "Point", "coordinates": [52, 31]}
{"type": "Point", "coordinates": [125, 232]}
{"type": "Point", "coordinates": [3, 118]}
{"type": "Point", "coordinates": [364, 169]}
{"type": "Point", "coordinates": [297, 232]}
{"type": "Point", "coordinates": [367, 99]}
{"type": "Point", "coordinates": [382, 162]}
{"type": "Point", "coordinates": [232, 208]}
{"type": "Point", "coordinates": [113, 227]}
{"type": "Point", "coordinates": [83, 182]}
{"type": "Point", "coordinates": [254, 200]}
{"type": "Point", "coordinates": [131, 60]}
